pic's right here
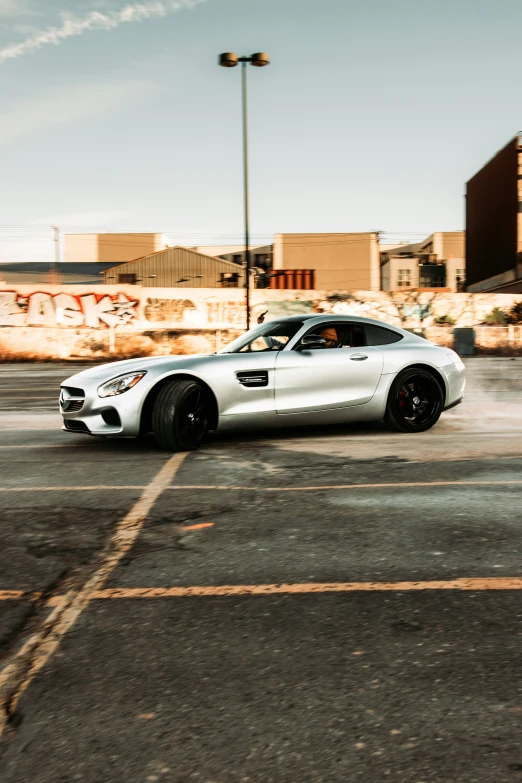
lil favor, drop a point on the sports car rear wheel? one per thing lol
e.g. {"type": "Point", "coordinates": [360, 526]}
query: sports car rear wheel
{"type": "Point", "coordinates": [180, 415]}
{"type": "Point", "coordinates": [415, 401]}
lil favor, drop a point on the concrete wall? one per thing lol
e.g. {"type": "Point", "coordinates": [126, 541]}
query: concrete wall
{"type": "Point", "coordinates": [51, 343]}
{"type": "Point", "coordinates": [341, 261]}
{"type": "Point", "coordinates": [136, 307]}
{"type": "Point", "coordinates": [140, 321]}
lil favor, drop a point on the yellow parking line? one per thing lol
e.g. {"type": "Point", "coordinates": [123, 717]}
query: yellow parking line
{"type": "Point", "coordinates": [504, 583]}
{"type": "Point", "coordinates": [387, 485]}
{"type": "Point", "coordinates": [73, 488]}
{"type": "Point", "coordinates": [45, 446]}
{"type": "Point", "coordinates": [466, 584]}
{"type": "Point", "coordinates": [40, 645]}
{"type": "Point", "coordinates": [318, 488]}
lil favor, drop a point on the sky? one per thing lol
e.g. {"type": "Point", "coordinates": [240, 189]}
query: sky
{"type": "Point", "coordinates": [371, 116]}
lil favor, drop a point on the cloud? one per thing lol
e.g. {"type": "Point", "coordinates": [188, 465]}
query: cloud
{"type": "Point", "coordinates": [95, 20]}
{"type": "Point", "coordinates": [69, 106]}
{"type": "Point", "coordinates": [15, 8]}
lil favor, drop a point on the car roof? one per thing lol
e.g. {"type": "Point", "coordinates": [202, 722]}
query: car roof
{"type": "Point", "coordinates": [338, 319]}
{"type": "Point", "coordinates": [293, 318]}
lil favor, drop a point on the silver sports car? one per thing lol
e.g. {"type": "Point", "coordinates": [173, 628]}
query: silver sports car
{"type": "Point", "coordinates": [305, 369]}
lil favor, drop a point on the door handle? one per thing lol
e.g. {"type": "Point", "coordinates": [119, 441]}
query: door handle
{"type": "Point", "coordinates": [359, 357]}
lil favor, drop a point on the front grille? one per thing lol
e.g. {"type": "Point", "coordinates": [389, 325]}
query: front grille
{"type": "Point", "coordinates": [71, 399]}
{"type": "Point", "coordinates": [76, 426]}
{"type": "Point", "coordinates": [73, 405]}
{"type": "Point", "coordinates": [72, 391]}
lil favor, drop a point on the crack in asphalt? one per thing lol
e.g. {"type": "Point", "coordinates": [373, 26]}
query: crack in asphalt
{"type": "Point", "coordinates": [37, 601]}
{"type": "Point", "coordinates": [27, 661]}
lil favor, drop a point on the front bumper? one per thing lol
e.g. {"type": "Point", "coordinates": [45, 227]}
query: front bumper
{"type": "Point", "coordinates": [83, 411]}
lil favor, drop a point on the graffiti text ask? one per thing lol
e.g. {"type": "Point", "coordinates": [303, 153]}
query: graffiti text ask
{"type": "Point", "coordinates": [43, 309]}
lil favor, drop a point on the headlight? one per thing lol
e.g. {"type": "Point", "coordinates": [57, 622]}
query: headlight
{"type": "Point", "coordinates": [119, 385]}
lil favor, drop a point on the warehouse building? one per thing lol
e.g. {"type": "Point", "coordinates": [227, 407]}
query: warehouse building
{"type": "Point", "coordinates": [494, 223]}
{"type": "Point", "coordinates": [177, 267]}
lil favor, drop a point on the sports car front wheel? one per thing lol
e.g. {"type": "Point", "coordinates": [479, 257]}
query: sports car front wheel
{"type": "Point", "coordinates": [180, 415]}
{"type": "Point", "coordinates": [415, 401]}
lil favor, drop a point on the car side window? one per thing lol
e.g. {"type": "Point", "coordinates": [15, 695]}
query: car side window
{"type": "Point", "coordinates": [379, 335]}
{"type": "Point", "coordinates": [340, 335]}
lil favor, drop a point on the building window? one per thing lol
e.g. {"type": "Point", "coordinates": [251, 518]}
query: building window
{"type": "Point", "coordinates": [404, 278]}
{"type": "Point", "coordinates": [237, 258]}
{"type": "Point", "coordinates": [130, 279]}
{"type": "Point", "coordinates": [432, 276]}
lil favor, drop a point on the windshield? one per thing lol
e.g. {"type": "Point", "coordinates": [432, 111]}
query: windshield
{"type": "Point", "coordinates": [268, 337]}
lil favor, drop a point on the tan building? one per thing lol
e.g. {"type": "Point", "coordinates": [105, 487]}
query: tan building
{"type": "Point", "coordinates": [438, 262]}
{"type": "Point", "coordinates": [111, 248]}
{"type": "Point", "coordinates": [341, 262]}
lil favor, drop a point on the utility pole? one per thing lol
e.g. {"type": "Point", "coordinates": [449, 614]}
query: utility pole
{"type": "Point", "coordinates": [55, 274]}
{"type": "Point", "coordinates": [56, 247]}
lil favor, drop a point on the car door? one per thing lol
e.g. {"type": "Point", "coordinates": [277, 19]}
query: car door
{"type": "Point", "coordinates": [243, 374]}
{"type": "Point", "coordinates": [326, 378]}
{"type": "Point", "coordinates": [244, 383]}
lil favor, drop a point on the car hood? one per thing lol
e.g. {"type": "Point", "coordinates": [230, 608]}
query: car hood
{"type": "Point", "coordinates": [105, 372]}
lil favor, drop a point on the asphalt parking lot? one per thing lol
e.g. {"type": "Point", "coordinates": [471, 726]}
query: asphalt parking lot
{"type": "Point", "coordinates": [337, 605]}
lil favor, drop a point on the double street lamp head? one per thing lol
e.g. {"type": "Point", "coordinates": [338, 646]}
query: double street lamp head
{"type": "Point", "coordinates": [230, 60]}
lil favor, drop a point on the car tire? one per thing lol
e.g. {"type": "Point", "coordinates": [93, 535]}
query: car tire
{"type": "Point", "coordinates": [415, 401]}
{"type": "Point", "coordinates": [180, 415]}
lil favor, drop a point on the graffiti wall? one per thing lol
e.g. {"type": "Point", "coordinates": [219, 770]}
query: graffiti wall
{"type": "Point", "coordinates": [102, 307]}
{"type": "Point", "coordinates": [41, 308]}
{"type": "Point", "coordinates": [132, 308]}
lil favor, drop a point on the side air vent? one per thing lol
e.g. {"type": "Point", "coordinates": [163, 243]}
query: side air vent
{"type": "Point", "coordinates": [253, 378]}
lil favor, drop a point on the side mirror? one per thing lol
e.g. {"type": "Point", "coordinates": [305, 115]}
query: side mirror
{"type": "Point", "coordinates": [311, 342]}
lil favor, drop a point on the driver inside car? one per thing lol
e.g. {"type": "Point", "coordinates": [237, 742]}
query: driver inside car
{"type": "Point", "coordinates": [329, 333]}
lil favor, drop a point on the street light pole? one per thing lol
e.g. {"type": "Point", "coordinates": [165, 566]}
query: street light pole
{"type": "Point", "coordinates": [230, 60]}
{"type": "Point", "coordinates": [245, 190]}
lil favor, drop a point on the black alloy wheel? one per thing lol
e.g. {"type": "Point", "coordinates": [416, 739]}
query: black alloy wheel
{"type": "Point", "coordinates": [415, 401]}
{"type": "Point", "coordinates": [181, 415]}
